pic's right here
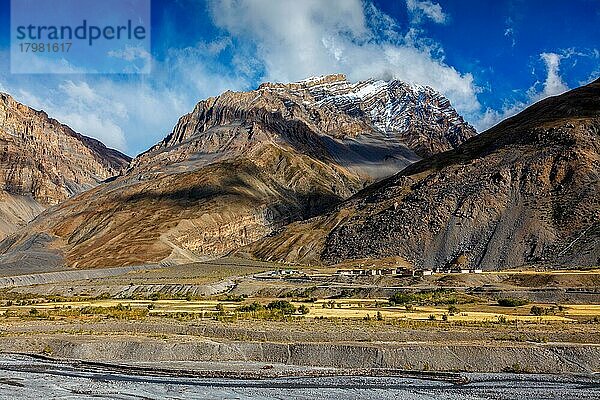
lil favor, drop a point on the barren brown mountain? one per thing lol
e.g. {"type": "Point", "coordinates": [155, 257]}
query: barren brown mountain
{"type": "Point", "coordinates": [43, 162]}
{"type": "Point", "coordinates": [242, 165]}
{"type": "Point", "coordinates": [526, 191]}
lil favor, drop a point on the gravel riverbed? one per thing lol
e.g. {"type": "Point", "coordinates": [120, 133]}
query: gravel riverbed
{"type": "Point", "coordinates": [25, 377]}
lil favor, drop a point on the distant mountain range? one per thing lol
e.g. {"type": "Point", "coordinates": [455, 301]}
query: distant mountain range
{"type": "Point", "coordinates": [240, 167]}
{"type": "Point", "coordinates": [321, 171]}
{"type": "Point", "coordinates": [43, 162]}
{"type": "Point", "coordinates": [526, 191]}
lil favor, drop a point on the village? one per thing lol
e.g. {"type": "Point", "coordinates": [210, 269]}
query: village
{"type": "Point", "coordinates": [405, 272]}
{"type": "Point", "coordinates": [361, 271]}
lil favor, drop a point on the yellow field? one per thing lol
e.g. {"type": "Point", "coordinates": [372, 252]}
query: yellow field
{"type": "Point", "coordinates": [160, 306]}
{"type": "Point", "coordinates": [364, 308]}
{"type": "Point", "coordinates": [343, 309]}
{"type": "Point", "coordinates": [583, 309]}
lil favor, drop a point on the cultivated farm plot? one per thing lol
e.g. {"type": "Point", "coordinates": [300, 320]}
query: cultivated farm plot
{"type": "Point", "coordinates": [350, 308]}
{"type": "Point", "coordinates": [158, 306]}
{"type": "Point", "coordinates": [365, 309]}
{"type": "Point", "coordinates": [583, 309]}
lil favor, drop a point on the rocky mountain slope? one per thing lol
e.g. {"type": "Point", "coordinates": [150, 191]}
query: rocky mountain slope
{"type": "Point", "coordinates": [527, 191]}
{"type": "Point", "coordinates": [43, 162]}
{"type": "Point", "coordinates": [241, 165]}
{"type": "Point", "coordinates": [373, 128]}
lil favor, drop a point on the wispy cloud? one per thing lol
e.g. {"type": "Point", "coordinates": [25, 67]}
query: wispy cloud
{"type": "Point", "coordinates": [285, 40]}
{"type": "Point", "coordinates": [553, 84]}
{"type": "Point", "coordinates": [139, 59]}
{"type": "Point", "coordinates": [292, 40]}
{"type": "Point", "coordinates": [129, 112]}
{"type": "Point", "coordinates": [419, 9]}
{"type": "Point", "coordinates": [509, 31]}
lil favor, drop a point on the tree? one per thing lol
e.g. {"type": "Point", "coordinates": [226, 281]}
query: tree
{"type": "Point", "coordinates": [538, 311]}
{"type": "Point", "coordinates": [402, 298]}
{"type": "Point", "coordinates": [284, 306]}
{"type": "Point", "coordinates": [510, 302]}
{"type": "Point", "coordinates": [252, 307]}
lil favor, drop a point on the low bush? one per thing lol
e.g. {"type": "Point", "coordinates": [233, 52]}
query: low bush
{"type": "Point", "coordinates": [119, 311]}
{"type": "Point", "coordinates": [511, 302]}
{"type": "Point", "coordinates": [430, 297]}
{"type": "Point", "coordinates": [252, 307]}
{"type": "Point", "coordinates": [284, 306]}
{"type": "Point", "coordinates": [539, 311]}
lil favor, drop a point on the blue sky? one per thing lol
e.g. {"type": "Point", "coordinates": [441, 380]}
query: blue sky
{"type": "Point", "coordinates": [491, 58]}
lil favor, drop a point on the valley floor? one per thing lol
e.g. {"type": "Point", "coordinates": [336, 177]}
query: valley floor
{"type": "Point", "coordinates": [228, 312]}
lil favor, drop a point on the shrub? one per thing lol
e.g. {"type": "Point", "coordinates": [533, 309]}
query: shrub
{"type": "Point", "coordinates": [516, 368]}
{"type": "Point", "coordinates": [345, 294]}
{"type": "Point", "coordinates": [511, 302]}
{"type": "Point", "coordinates": [535, 310]}
{"type": "Point", "coordinates": [119, 311]}
{"type": "Point", "coordinates": [155, 296]}
{"type": "Point", "coordinates": [301, 292]}
{"type": "Point", "coordinates": [284, 306]}
{"type": "Point", "coordinates": [428, 297]}
{"type": "Point", "coordinates": [235, 298]}
{"type": "Point", "coordinates": [253, 307]}
{"type": "Point", "coordinates": [402, 298]}
{"type": "Point", "coordinates": [453, 309]}
{"type": "Point", "coordinates": [539, 311]}
{"type": "Point", "coordinates": [379, 316]}
{"type": "Point", "coordinates": [47, 350]}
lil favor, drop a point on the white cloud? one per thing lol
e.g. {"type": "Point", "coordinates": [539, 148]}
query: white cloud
{"type": "Point", "coordinates": [132, 54]}
{"type": "Point", "coordinates": [275, 41]}
{"type": "Point", "coordinates": [491, 117]}
{"type": "Point", "coordinates": [509, 32]}
{"type": "Point", "coordinates": [32, 63]}
{"type": "Point", "coordinates": [418, 9]}
{"type": "Point", "coordinates": [80, 107]}
{"type": "Point", "coordinates": [105, 130]}
{"type": "Point", "coordinates": [131, 112]}
{"type": "Point", "coordinates": [553, 84]}
{"type": "Point", "coordinates": [293, 40]}
{"type": "Point", "coordinates": [94, 114]}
